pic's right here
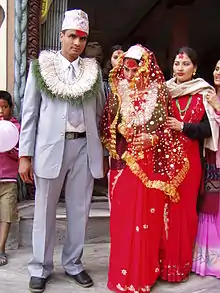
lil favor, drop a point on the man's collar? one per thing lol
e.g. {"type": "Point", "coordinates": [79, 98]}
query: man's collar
{"type": "Point", "coordinates": [66, 63]}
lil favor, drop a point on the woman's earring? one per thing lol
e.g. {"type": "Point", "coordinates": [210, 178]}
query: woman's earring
{"type": "Point", "coordinates": [174, 75]}
{"type": "Point", "coordinates": [194, 73]}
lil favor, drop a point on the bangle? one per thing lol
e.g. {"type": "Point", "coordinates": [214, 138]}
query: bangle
{"type": "Point", "coordinates": [152, 140]}
{"type": "Point", "coordinates": [182, 126]}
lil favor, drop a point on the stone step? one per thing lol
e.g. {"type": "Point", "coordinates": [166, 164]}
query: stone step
{"type": "Point", "coordinates": [14, 277]}
{"type": "Point", "coordinates": [97, 228]}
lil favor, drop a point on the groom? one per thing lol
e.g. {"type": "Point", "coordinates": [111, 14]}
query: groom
{"type": "Point", "coordinates": [60, 145]}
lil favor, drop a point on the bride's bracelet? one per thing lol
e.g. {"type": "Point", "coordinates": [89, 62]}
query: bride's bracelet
{"type": "Point", "coordinates": [152, 140]}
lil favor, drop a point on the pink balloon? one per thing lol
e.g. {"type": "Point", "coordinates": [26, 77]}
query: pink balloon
{"type": "Point", "coordinates": [9, 136]}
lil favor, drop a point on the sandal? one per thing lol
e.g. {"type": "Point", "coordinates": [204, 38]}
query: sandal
{"type": "Point", "coordinates": [3, 259]}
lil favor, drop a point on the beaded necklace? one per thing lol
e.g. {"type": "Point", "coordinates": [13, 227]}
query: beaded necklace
{"type": "Point", "coordinates": [183, 111]}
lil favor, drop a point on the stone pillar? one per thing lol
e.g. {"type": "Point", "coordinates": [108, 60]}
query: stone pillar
{"type": "Point", "coordinates": [26, 191]}
{"type": "Point", "coordinates": [20, 59]}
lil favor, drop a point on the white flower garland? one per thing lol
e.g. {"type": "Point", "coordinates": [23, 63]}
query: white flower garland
{"type": "Point", "coordinates": [53, 76]}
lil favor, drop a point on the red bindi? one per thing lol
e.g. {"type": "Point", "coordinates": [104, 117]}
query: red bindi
{"type": "Point", "coordinates": [181, 55]}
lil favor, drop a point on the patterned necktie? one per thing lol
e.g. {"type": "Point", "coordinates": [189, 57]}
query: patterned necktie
{"type": "Point", "coordinates": [75, 113]}
{"type": "Point", "coordinates": [71, 73]}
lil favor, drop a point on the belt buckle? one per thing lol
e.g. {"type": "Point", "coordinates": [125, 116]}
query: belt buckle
{"type": "Point", "coordinates": [70, 135]}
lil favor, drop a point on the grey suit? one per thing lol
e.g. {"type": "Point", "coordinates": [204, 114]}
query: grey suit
{"type": "Point", "coordinates": [57, 161]}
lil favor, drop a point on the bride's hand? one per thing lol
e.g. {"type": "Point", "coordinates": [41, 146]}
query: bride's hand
{"type": "Point", "coordinates": [145, 140]}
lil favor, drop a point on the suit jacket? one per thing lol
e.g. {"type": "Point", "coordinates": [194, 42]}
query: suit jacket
{"type": "Point", "coordinates": [43, 130]}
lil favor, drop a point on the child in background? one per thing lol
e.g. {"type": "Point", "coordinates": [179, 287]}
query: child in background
{"type": "Point", "coordinates": [8, 179]}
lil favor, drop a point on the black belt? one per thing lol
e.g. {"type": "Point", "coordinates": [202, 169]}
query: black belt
{"type": "Point", "coordinates": [74, 135]}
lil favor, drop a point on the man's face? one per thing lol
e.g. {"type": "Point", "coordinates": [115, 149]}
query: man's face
{"type": "Point", "coordinates": [5, 110]}
{"type": "Point", "coordinates": [73, 43]}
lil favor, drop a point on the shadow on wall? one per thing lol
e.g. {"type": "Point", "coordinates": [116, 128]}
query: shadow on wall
{"type": "Point", "coordinates": [2, 15]}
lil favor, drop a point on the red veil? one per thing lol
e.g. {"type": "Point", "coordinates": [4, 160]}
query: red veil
{"type": "Point", "coordinates": [168, 155]}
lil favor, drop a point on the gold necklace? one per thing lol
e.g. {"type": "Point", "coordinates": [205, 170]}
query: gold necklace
{"type": "Point", "coordinates": [183, 111]}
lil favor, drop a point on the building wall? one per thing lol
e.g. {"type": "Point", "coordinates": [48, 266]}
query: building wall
{"type": "Point", "coordinates": [158, 27]}
{"type": "Point", "coordinates": [3, 48]}
{"type": "Point", "coordinates": [204, 34]}
{"type": "Point", "coordinates": [165, 30]}
{"type": "Point", "coordinates": [113, 22]}
{"type": "Point", "coordinates": [10, 47]}
{"type": "Point", "coordinates": [7, 47]}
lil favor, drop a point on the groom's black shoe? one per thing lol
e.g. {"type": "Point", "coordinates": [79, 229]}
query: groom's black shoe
{"type": "Point", "coordinates": [37, 285]}
{"type": "Point", "coordinates": [82, 279]}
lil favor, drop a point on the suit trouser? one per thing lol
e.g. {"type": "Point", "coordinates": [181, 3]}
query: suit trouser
{"type": "Point", "coordinates": [78, 180]}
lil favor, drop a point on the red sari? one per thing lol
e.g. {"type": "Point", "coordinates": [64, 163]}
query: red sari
{"type": "Point", "coordinates": [137, 222]}
{"type": "Point", "coordinates": [177, 251]}
{"type": "Point", "coordinates": [142, 179]}
{"type": "Point", "coordinates": [139, 193]}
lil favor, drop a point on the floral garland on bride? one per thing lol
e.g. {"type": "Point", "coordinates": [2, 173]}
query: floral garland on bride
{"type": "Point", "coordinates": [50, 78]}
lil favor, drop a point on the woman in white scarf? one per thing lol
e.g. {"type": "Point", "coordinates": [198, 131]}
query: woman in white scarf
{"type": "Point", "coordinates": [192, 120]}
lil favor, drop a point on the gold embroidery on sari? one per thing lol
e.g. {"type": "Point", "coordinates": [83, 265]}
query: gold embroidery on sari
{"type": "Point", "coordinates": [142, 108]}
{"type": "Point", "coordinates": [166, 219]}
{"type": "Point", "coordinates": [131, 288]}
{"type": "Point", "coordinates": [169, 188]}
{"type": "Point", "coordinates": [116, 180]}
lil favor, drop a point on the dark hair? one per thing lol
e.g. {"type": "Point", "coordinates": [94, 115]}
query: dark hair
{"type": "Point", "coordinates": [191, 53]}
{"type": "Point", "coordinates": [115, 48]}
{"type": "Point", "coordinates": [7, 97]}
{"type": "Point", "coordinates": [108, 65]}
